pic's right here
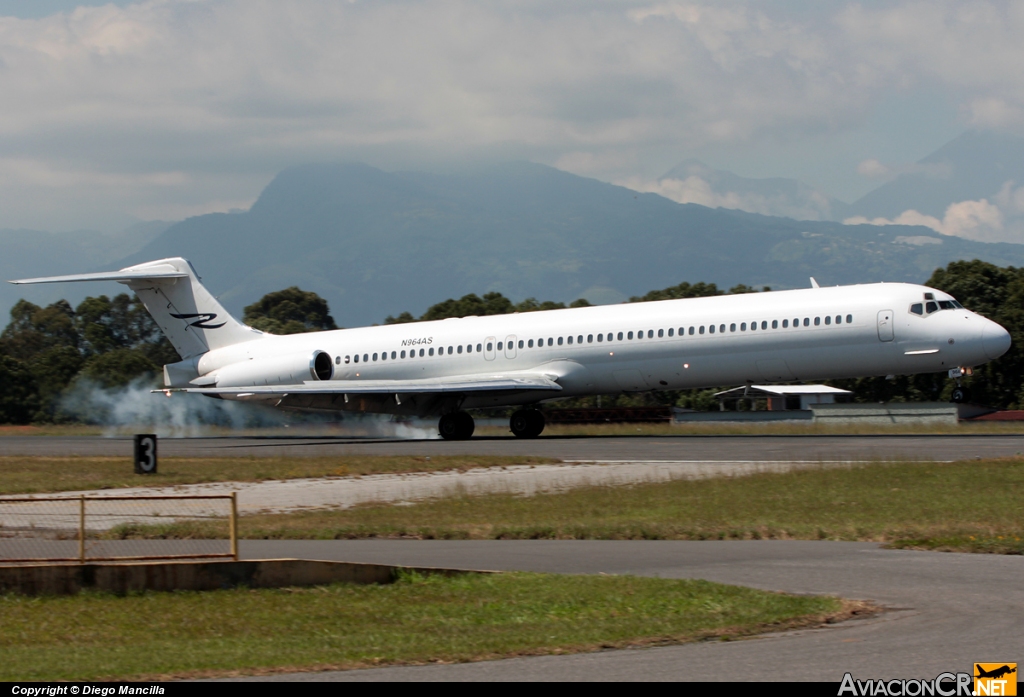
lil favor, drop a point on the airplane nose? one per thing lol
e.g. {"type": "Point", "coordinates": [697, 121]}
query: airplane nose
{"type": "Point", "coordinates": [995, 340]}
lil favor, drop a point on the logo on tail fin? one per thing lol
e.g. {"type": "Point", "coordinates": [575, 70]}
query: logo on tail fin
{"type": "Point", "coordinates": [201, 322]}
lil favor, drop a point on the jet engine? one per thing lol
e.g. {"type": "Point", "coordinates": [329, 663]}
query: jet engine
{"type": "Point", "coordinates": [290, 369]}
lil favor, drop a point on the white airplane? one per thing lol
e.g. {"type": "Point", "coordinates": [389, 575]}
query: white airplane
{"type": "Point", "coordinates": [445, 367]}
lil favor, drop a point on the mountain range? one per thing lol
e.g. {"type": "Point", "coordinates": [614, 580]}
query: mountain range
{"type": "Point", "coordinates": [376, 243]}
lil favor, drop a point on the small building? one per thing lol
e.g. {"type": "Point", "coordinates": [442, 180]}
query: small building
{"type": "Point", "coordinates": [783, 397]}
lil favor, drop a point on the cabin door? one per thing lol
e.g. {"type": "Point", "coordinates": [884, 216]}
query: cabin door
{"type": "Point", "coordinates": [489, 348]}
{"type": "Point", "coordinates": [885, 321]}
{"type": "Point", "coordinates": [510, 346]}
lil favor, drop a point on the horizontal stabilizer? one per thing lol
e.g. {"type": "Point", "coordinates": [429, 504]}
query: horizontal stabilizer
{"type": "Point", "coordinates": [191, 319]}
{"type": "Point", "coordinates": [425, 386]}
{"type": "Point", "coordinates": [123, 276]}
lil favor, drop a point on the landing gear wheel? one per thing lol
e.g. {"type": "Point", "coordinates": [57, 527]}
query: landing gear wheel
{"type": "Point", "coordinates": [526, 423]}
{"type": "Point", "coordinates": [456, 426]}
{"type": "Point", "coordinates": [959, 395]}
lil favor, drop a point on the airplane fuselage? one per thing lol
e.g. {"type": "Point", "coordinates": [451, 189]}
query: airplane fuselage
{"type": "Point", "coordinates": [799, 335]}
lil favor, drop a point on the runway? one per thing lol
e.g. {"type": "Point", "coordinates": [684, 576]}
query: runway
{"type": "Point", "coordinates": [946, 611]}
{"type": "Point", "coordinates": [630, 449]}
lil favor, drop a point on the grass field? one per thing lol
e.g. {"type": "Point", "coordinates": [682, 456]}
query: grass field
{"type": "Point", "coordinates": [31, 475]}
{"type": "Point", "coordinates": [975, 506]}
{"type": "Point", "coordinates": [415, 620]}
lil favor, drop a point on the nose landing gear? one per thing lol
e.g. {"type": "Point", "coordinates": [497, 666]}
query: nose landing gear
{"type": "Point", "coordinates": [456, 426]}
{"type": "Point", "coordinates": [959, 394]}
{"type": "Point", "coordinates": [526, 423]}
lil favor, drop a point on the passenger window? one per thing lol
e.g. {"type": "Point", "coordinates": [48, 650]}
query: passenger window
{"type": "Point", "coordinates": [691, 331]}
{"type": "Point", "coordinates": [570, 340]}
{"type": "Point", "coordinates": [600, 337]}
{"type": "Point", "coordinates": [559, 341]}
{"type": "Point", "coordinates": [721, 328]}
{"type": "Point", "coordinates": [775, 324]}
{"type": "Point", "coordinates": [711, 329]}
{"type": "Point", "coordinates": [590, 338]}
{"type": "Point", "coordinates": [743, 326]}
{"type": "Point", "coordinates": [650, 333]}
{"type": "Point", "coordinates": [421, 353]}
{"type": "Point", "coordinates": [357, 358]}
{"type": "Point", "coordinates": [785, 323]}
{"type": "Point", "coordinates": [796, 322]}
{"type": "Point", "coordinates": [753, 326]}
{"type": "Point", "coordinates": [629, 336]}
{"type": "Point", "coordinates": [732, 327]}
{"type": "Point", "coordinates": [500, 344]}
{"type": "Point", "coordinates": [807, 321]}
{"type": "Point", "coordinates": [478, 348]}
{"type": "Point", "coordinates": [620, 336]}
{"type": "Point", "coordinates": [529, 343]}
{"type": "Point", "coordinates": [520, 343]}
{"type": "Point", "coordinates": [661, 333]}
{"type": "Point", "coordinates": [671, 332]}
{"type": "Point", "coordinates": [640, 334]}
{"type": "Point", "coordinates": [366, 358]}
{"type": "Point", "coordinates": [817, 321]}
{"type": "Point", "coordinates": [764, 324]}
{"type": "Point", "coordinates": [401, 354]}
{"type": "Point", "coordinates": [394, 355]}
{"type": "Point", "coordinates": [931, 307]}
{"type": "Point", "coordinates": [337, 360]}
{"type": "Point", "coordinates": [550, 341]}
{"type": "Point", "coordinates": [489, 346]}
{"type": "Point", "coordinates": [346, 360]}
{"type": "Point", "coordinates": [384, 356]}
{"type": "Point", "coordinates": [579, 339]}
{"type": "Point", "coordinates": [702, 329]}
{"type": "Point", "coordinates": [839, 319]}
{"type": "Point", "coordinates": [828, 320]}
{"type": "Point", "coordinates": [431, 351]}
{"type": "Point", "coordinates": [460, 348]}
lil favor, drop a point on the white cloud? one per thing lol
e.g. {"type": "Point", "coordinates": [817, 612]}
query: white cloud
{"type": "Point", "coordinates": [227, 92]}
{"type": "Point", "coordinates": [974, 220]}
{"type": "Point", "coordinates": [696, 189]}
{"type": "Point", "coordinates": [874, 169]}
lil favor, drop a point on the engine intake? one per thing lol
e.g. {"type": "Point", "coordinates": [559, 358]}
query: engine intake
{"type": "Point", "coordinates": [321, 367]}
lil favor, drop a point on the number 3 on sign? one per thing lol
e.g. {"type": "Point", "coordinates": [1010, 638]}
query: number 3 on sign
{"type": "Point", "coordinates": [145, 454]}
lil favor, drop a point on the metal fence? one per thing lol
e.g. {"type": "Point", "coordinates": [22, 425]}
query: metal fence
{"type": "Point", "coordinates": [117, 528]}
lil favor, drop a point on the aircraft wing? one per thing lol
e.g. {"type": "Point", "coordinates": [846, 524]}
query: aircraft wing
{"type": "Point", "coordinates": [461, 383]}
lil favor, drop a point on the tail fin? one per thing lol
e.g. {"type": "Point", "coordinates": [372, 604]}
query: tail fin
{"type": "Point", "coordinates": [192, 319]}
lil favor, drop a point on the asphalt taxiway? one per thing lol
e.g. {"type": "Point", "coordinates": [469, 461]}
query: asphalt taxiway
{"type": "Point", "coordinates": [944, 611]}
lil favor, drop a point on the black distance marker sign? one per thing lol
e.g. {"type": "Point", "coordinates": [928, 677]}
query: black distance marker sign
{"type": "Point", "coordinates": [145, 453]}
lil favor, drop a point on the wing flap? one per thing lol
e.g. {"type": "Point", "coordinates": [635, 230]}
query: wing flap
{"type": "Point", "coordinates": [473, 383]}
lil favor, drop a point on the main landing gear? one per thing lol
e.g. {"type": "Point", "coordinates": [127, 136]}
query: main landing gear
{"type": "Point", "coordinates": [959, 394]}
{"type": "Point", "coordinates": [456, 426]}
{"type": "Point", "coordinates": [526, 423]}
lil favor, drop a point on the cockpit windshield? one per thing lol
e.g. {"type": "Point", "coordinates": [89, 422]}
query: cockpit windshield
{"type": "Point", "coordinates": [930, 306]}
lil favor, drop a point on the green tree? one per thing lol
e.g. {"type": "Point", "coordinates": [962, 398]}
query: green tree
{"type": "Point", "coordinates": [492, 303]}
{"type": "Point", "coordinates": [19, 398]}
{"type": "Point", "coordinates": [683, 290]}
{"type": "Point", "coordinates": [289, 311]}
{"type": "Point", "coordinates": [34, 329]}
{"type": "Point", "coordinates": [118, 367]}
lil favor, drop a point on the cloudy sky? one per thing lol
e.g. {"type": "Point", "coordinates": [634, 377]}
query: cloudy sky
{"type": "Point", "coordinates": [167, 108]}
